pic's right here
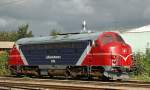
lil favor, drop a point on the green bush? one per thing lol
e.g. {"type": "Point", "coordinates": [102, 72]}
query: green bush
{"type": "Point", "coordinates": [142, 63]}
{"type": "Point", "coordinates": [3, 64]}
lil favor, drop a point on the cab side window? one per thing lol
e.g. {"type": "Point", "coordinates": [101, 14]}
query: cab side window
{"type": "Point", "coordinates": [119, 38]}
{"type": "Point", "coordinates": [107, 39]}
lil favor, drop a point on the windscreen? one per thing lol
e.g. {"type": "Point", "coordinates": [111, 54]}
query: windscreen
{"type": "Point", "coordinates": [108, 38]}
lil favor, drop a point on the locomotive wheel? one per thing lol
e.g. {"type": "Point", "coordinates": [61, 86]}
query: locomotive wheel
{"type": "Point", "coordinates": [74, 76]}
{"type": "Point", "coordinates": [67, 75]}
{"type": "Point", "coordinates": [119, 80]}
{"type": "Point", "coordinates": [19, 75]}
{"type": "Point", "coordinates": [104, 78]}
{"type": "Point", "coordinates": [50, 76]}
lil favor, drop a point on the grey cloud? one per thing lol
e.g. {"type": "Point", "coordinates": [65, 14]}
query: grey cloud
{"type": "Point", "coordinates": [43, 15]}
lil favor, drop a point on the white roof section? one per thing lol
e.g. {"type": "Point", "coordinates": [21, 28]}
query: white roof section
{"type": "Point", "coordinates": [141, 29]}
{"type": "Point", "coordinates": [59, 38]}
{"type": "Point", "coordinates": [4, 44]}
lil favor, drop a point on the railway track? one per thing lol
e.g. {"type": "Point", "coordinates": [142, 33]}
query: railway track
{"type": "Point", "coordinates": [23, 86]}
{"type": "Point", "coordinates": [55, 84]}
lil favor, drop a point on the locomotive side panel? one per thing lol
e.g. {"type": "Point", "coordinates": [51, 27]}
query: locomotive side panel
{"type": "Point", "coordinates": [67, 53]}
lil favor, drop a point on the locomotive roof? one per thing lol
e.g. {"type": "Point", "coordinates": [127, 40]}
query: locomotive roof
{"type": "Point", "coordinates": [59, 38]}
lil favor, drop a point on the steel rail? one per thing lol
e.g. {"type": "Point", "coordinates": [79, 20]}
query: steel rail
{"type": "Point", "coordinates": [62, 83]}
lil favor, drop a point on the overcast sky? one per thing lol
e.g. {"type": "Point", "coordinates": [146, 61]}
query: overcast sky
{"type": "Point", "coordinates": [66, 15]}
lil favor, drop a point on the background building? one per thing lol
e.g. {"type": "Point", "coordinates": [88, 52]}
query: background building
{"type": "Point", "coordinates": [6, 45]}
{"type": "Point", "coordinates": [139, 38]}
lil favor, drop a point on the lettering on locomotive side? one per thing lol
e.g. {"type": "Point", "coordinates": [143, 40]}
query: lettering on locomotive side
{"type": "Point", "coordinates": [53, 57]}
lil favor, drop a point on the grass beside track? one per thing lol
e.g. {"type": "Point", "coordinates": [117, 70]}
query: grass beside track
{"type": "Point", "coordinates": [3, 64]}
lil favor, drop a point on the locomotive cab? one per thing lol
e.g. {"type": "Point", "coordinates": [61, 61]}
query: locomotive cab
{"type": "Point", "coordinates": [119, 58]}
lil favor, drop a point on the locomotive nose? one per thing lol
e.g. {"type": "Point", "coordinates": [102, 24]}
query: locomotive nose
{"type": "Point", "coordinates": [121, 55]}
{"type": "Point", "coordinates": [125, 49]}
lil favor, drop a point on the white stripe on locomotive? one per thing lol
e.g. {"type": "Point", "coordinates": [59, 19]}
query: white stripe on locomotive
{"type": "Point", "coordinates": [22, 55]}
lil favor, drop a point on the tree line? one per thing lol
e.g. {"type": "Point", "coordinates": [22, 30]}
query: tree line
{"type": "Point", "coordinates": [22, 32]}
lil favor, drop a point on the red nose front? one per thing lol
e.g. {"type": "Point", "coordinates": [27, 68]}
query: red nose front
{"type": "Point", "coordinates": [126, 55]}
{"type": "Point", "coordinates": [121, 55]}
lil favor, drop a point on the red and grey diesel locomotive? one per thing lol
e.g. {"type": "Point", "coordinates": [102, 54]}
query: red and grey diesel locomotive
{"type": "Point", "coordinates": [101, 54]}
